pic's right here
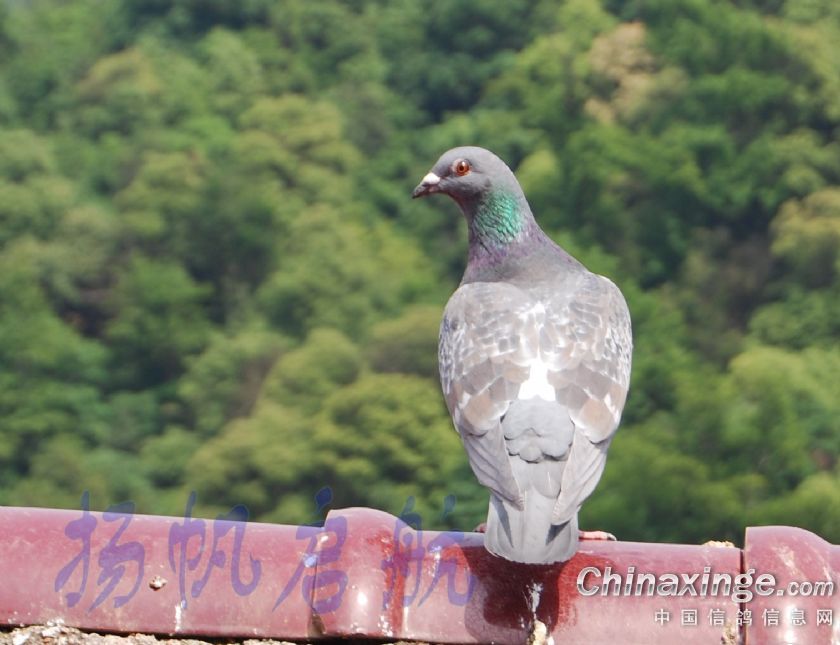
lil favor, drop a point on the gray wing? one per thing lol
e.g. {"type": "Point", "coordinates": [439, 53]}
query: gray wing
{"type": "Point", "coordinates": [481, 368]}
{"type": "Point", "coordinates": [492, 333]}
{"type": "Point", "coordinates": [593, 385]}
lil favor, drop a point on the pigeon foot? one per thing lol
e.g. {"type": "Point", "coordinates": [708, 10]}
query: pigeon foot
{"type": "Point", "coordinates": [596, 535]}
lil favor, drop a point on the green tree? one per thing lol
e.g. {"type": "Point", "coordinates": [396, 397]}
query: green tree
{"type": "Point", "coordinates": [157, 321]}
{"type": "Point", "coordinates": [212, 276]}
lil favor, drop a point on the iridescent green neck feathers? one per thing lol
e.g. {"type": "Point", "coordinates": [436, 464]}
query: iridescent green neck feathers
{"type": "Point", "coordinates": [498, 218]}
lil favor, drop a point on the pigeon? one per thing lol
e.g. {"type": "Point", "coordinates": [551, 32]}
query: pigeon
{"type": "Point", "coordinates": [534, 357]}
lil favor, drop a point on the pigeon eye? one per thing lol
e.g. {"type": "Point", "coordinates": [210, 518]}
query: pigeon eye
{"type": "Point", "coordinates": [462, 167]}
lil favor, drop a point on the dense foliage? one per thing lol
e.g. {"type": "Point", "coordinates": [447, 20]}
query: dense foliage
{"type": "Point", "coordinates": [212, 277]}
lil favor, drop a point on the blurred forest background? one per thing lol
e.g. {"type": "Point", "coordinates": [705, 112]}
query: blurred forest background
{"type": "Point", "coordinates": [212, 276]}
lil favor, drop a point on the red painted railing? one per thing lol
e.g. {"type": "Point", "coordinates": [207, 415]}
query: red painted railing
{"type": "Point", "coordinates": [367, 574]}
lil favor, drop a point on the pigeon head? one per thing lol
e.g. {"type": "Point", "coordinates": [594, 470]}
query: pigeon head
{"type": "Point", "coordinates": [486, 190]}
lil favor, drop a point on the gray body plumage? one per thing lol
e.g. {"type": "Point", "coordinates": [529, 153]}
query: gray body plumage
{"type": "Point", "coordinates": [534, 359]}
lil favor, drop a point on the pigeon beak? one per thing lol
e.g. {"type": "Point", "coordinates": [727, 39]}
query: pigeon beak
{"type": "Point", "coordinates": [428, 186]}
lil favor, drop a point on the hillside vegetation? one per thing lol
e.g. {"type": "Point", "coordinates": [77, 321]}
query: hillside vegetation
{"type": "Point", "coordinates": [213, 279]}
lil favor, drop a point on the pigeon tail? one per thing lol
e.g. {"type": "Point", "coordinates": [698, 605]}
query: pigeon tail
{"type": "Point", "coordinates": [528, 535]}
{"type": "Point", "coordinates": [538, 436]}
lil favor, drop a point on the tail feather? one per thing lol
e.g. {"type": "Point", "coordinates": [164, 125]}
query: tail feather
{"type": "Point", "coordinates": [538, 436]}
{"type": "Point", "coordinates": [528, 535]}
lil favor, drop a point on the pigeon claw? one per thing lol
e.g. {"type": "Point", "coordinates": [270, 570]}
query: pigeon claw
{"type": "Point", "coordinates": [596, 535]}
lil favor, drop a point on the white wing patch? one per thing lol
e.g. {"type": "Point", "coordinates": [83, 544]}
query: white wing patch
{"type": "Point", "coordinates": [537, 385]}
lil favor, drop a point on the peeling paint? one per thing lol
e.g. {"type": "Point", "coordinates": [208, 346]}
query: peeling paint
{"type": "Point", "coordinates": [179, 609]}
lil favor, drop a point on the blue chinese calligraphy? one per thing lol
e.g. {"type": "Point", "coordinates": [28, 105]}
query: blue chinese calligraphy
{"type": "Point", "coordinates": [81, 529]}
{"type": "Point", "coordinates": [112, 558]}
{"type": "Point", "coordinates": [323, 585]}
{"type": "Point", "coordinates": [407, 560]}
{"type": "Point", "coordinates": [233, 520]}
{"type": "Point", "coordinates": [420, 561]}
{"type": "Point", "coordinates": [179, 538]}
{"type": "Point", "coordinates": [181, 563]}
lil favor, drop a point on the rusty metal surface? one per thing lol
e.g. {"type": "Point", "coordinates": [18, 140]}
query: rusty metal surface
{"type": "Point", "coordinates": [793, 613]}
{"type": "Point", "coordinates": [368, 574]}
{"type": "Point", "coordinates": [128, 573]}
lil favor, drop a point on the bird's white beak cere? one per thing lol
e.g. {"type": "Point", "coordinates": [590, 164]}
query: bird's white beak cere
{"type": "Point", "coordinates": [427, 186]}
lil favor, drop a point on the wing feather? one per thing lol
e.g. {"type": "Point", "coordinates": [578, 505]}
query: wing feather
{"type": "Point", "coordinates": [601, 379]}
{"type": "Point", "coordinates": [491, 334]}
